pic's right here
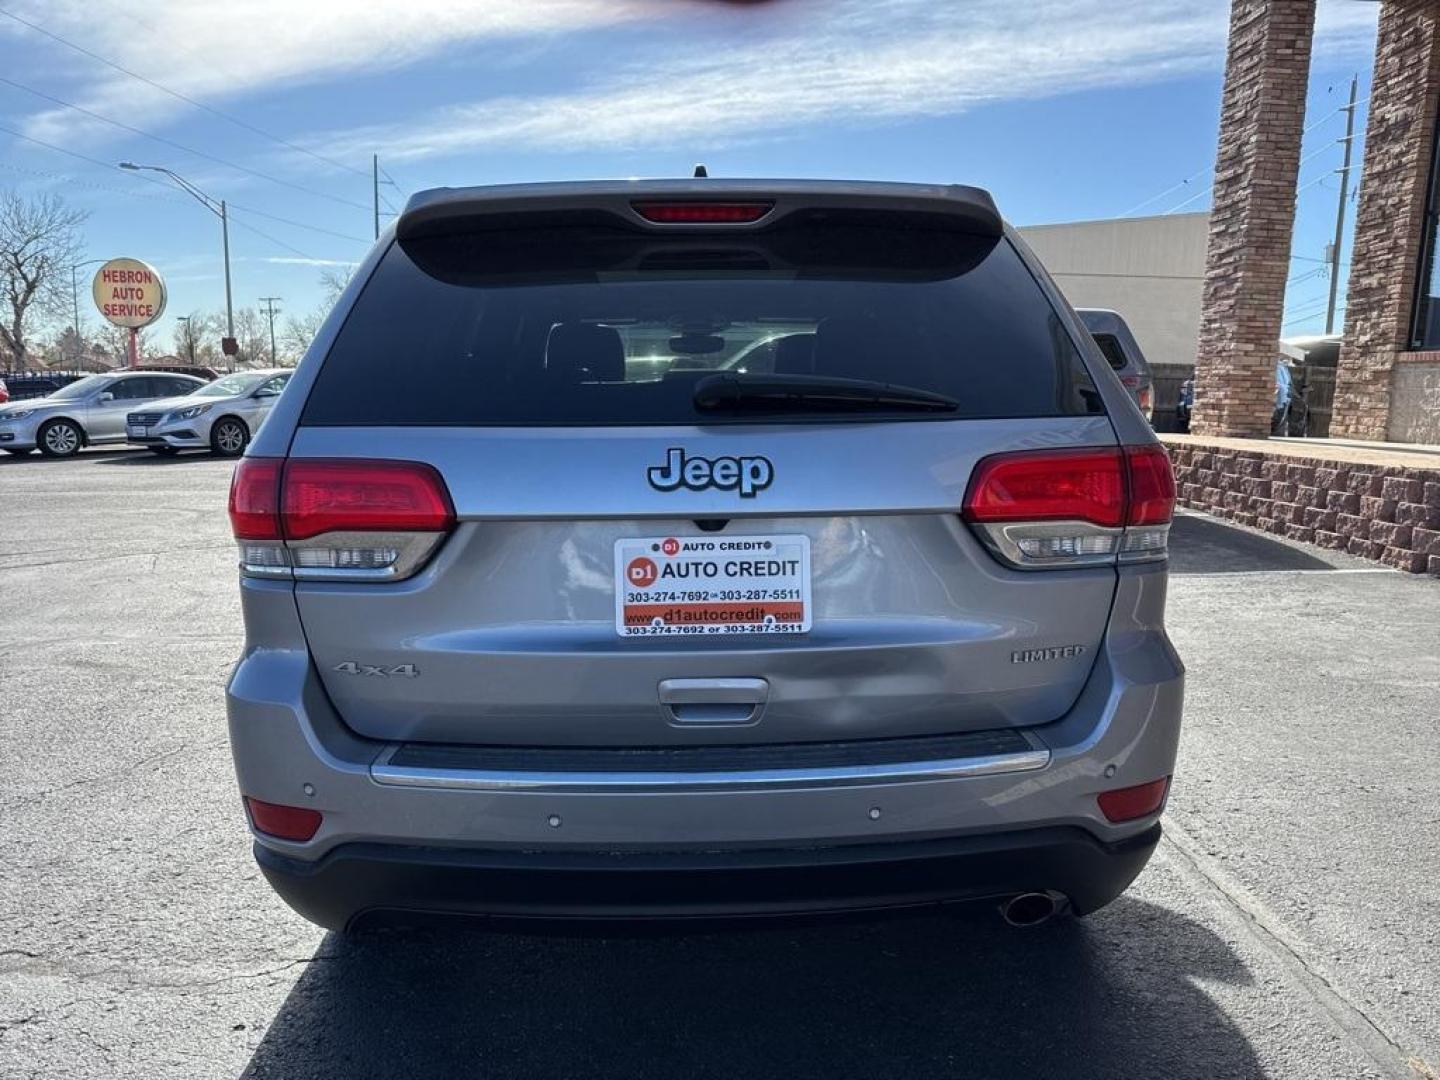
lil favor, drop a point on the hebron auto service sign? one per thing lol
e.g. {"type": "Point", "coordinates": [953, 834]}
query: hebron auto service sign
{"type": "Point", "coordinates": [129, 293]}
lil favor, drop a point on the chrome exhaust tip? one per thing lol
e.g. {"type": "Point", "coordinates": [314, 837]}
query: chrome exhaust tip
{"type": "Point", "coordinates": [1031, 908]}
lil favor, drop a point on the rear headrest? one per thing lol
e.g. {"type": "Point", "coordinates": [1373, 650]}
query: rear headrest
{"type": "Point", "coordinates": [795, 355]}
{"type": "Point", "coordinates": [585, 352]}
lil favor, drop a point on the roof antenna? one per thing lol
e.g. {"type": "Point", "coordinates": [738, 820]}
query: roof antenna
{"type": "Point", "coordinates": [701, 172]}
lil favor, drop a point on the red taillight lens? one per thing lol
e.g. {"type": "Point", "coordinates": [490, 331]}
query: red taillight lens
{"type": "Point", "coordinates": [1152, 485]}
{"type": "Point", "coordinates": [285, 822]}
{"type": "Point", "coordinates": [362, 496]}
{"type": "Point", "coordinates": [255, 499]}
{"type": "Point", "coordinates": [1127, 804]}
{"type": "Point", "coordinates": [1045, 485]}
{"type": "Point", "coordinates": [298, 518]}
{"type": "Point", "coordinates": [708, 213]}
{"type": "Point", "coordinates": [1052, 508]}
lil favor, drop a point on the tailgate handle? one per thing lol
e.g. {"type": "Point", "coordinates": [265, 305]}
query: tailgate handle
{"type": "Point", "coordinates": [713, 701]}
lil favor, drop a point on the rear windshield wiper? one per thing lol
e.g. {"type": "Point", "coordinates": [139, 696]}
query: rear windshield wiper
{"type": "Point", "coordinates": [779, 393]}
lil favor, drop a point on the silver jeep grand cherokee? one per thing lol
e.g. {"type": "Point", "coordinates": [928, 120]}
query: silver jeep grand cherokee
{"type": "Point", "coordinates": [756, 547]}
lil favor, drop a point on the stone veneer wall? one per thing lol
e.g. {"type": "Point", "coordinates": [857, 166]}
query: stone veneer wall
{"type": "Point", "coordinates": [1262, 113]}
{"type": "Point", "coordinates": [1375, 370]}
{"type": "Point", "coordinates": [1388, 513]}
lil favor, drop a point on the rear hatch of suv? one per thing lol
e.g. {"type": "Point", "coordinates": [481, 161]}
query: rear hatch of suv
{"type": "Point", "coordinates": [752, 466]}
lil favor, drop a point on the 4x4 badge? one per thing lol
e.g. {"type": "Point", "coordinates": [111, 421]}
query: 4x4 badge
{"type": "Point", "coordinates": [747, 474]}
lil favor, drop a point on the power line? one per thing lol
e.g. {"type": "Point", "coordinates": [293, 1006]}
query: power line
{"type": "Point", "coordinates": [267, 236]}
{"type": "Point", "coordinates": [177, 95]}
{"type": "Point", "coordinates": [110, 165]}
{"type": "Point", "coordinates": [297, 224]}
{"type": "Point", "coordinates": [107, 165]}
{"type": "Point", "coordinates": [1308, 300]}
{"type": "Point", "coordinates": [1308, 275]}
{"type": "Point", "coordinates": [1167, 191]}
{"type": "Point", "coordinates": [1187, 202]}
{"type": "Point", "coordinates": [1306, 317]}
{"type": "Point", "coordinates": [74, 181]}
{"type": "Point", "coordinates": [1176, 187]}
{"type": "Point", "coordinates": [177, 145]}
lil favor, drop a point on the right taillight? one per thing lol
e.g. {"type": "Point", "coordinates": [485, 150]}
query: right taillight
{"type": "Point", "coordinates": [337, 519]}
{"type": "Point", "coordinates": [1048, 509]}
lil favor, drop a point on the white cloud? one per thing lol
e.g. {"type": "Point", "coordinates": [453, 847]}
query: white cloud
{"type": "Point", "coordinates": [217, 51]}
{"type": "Point", "coordinates": [849, 62]}
{"type": "Point", "coordinates": [291, 260]}
{"type": "Point", "coordinates": [710, 75]}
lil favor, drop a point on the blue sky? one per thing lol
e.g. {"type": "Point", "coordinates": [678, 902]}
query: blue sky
{"type": "Point", "coordinates": [1065, 109]}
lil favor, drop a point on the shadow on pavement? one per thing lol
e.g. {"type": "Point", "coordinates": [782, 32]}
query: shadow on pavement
{"type": "Point", "coordinates": [145, 457]}
{"type": "Point", "coordinates": [1205, 545]}
{"type": "Point", "coordinates": [1112, 996]}
{"type": "Point", "coordinates": [86, 456]}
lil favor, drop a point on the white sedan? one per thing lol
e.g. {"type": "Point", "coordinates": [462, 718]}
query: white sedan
{"type": "Point", "coordinates": [220, 416]}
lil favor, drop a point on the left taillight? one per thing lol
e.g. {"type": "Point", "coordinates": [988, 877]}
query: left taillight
{"type": "Point", "coordinates": [337, 519]}
{"type": "Point", "coordinates": [1051, 509]}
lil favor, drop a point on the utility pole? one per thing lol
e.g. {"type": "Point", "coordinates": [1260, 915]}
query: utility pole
{"type": "Point", "coordinates": [269, 302]}
{"type": "Point", "coordinates": [1344, 171]}
{"type": "Point", "coordinates": [375, 181]}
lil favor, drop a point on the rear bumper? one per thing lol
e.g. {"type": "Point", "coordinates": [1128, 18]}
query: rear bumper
{"type": "Point", "coordinates": [181, 438]}
{"type": "Point", "coordinates": [455, 837]}
{"type": "Point", "coordinates": [357, 880]}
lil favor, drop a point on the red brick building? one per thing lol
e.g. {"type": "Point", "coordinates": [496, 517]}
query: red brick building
{"type": "Point", "coordinates": [1388, 382]}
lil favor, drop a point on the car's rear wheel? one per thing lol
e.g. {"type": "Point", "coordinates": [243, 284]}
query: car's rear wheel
{"type": "Point", "coordinates": [228, 437]}
{"type": "Point", "coordinates": [60, 438]}
{"type": "Point", "coordinates": [163, 451]}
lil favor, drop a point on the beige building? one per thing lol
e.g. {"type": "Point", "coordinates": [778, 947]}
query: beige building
{"type": "Point", "coordinates": [1149, 269]}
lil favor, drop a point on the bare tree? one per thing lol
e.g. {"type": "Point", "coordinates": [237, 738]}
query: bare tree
{"type": "Point", "coordinates": [298, 333]}
{"type": "Point", "coordinates": [252, 334]}
{"type": "Point", "coordinates": [334, 280]}
{"type": "Point", "coordinates": [38, 246]}
{"type": "Point", "coordinates": [115, 342]}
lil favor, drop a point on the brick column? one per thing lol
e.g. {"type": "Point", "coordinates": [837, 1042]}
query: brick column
{"type": "Point", "coordinates": [1399, 136]}
{"type": "Point", "coordinates": [1253, 211]}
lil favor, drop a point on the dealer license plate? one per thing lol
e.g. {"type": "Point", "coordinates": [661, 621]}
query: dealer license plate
{"type": "Point", "coordinates": [667, 586]}
{"type": "Point", "coordinates": [138, 432]}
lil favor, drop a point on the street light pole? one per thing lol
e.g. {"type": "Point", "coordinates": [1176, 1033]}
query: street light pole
{"type": "Point", "coordinates": [216, 207]}
{"type": "Point", "coordinates": [225, 239]}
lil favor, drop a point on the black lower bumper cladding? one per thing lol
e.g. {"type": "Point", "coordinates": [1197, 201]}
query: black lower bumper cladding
{"type": "Point", "coordinates": [356, 880]}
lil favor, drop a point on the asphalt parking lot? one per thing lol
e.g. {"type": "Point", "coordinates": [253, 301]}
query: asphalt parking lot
{"type": "Point", "coordinates": [1289, 925]}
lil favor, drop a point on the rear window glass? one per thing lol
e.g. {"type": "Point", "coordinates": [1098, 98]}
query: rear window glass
{"type": "Point", "coordinates": [1111, 347]}
{"type": "Point", "coordinates": [601, 325]}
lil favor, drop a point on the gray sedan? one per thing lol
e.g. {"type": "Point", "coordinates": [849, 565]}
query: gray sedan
{"type": "Point", "coordinates": [89, 412]}
{"type": "Point", "coordinates": [220, 416]}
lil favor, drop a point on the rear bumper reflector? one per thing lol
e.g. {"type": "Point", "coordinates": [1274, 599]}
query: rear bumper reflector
{"type": "Point", "coordinates": [1131, 803]}
{"type": "Point", "coordinates": [297, 823]}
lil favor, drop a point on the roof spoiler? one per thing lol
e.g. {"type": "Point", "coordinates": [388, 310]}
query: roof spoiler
{"type": "Point", "coordinates": [446, 210]}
